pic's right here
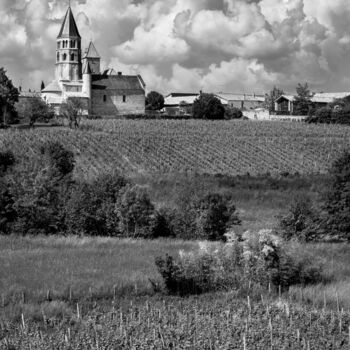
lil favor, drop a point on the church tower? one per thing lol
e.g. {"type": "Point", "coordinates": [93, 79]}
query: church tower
{"type": "Point", "coordinates": [68, 51]}
{"type": "Point", "coordinates": [93, 59]}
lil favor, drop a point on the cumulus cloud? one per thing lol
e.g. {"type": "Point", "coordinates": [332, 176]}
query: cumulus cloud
{"type": "Point", "coordinates": [188, 45]}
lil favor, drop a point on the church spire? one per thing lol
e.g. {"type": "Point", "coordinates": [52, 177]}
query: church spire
{"type": "Point", "coordinates": [69, 27]}
{"type": "Point", "coordinates": [68, 51]}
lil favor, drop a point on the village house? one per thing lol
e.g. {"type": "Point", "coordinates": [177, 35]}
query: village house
{"type": "Point", "coordinates": [101, 93]}
{"type": "Point", "coordinates": [285, 103]}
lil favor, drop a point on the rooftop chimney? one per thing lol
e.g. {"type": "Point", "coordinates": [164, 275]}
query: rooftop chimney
{"type": "Point", "coordinates": [120, 73]}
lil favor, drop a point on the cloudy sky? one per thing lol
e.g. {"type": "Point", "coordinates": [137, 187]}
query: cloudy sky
{"type": "Point", "coordinates": [188, 45]}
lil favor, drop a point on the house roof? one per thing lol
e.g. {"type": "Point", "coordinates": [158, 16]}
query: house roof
{"type": "Point", "coordinates": [240, 97]}
{"type": "Point", "coordinates": [69, 27]}
{"type": "Point", "coordinates": [320, 97]}
{"type": "Point", "coordinates": [174, 99]}
{"type": "Point", "coordinates": [116, 82]}
{"type": "Point", "coordinates": [52, 87]}
{"type": "Point", "coordinates": [29, 94]}
{"type": "Point", "coordinates": [91, 51]}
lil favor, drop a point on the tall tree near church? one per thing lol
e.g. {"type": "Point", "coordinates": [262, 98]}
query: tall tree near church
{"type": "Point", "coordinates": [42, 87]}
{"type": "Point", "coordinates": [8, 97]}
{"type": "Point", "coordinates": [302, 100]}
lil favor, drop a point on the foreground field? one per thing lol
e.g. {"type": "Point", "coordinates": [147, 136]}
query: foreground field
{"type": "Point", "coordinates": [209, 322]}
{"type": "Point", "coordinates": [94, 293]}
{"type": "Point", "coordinates": [213, 147]}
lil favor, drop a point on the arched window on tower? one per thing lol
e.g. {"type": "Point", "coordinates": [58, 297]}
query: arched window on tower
{"type": "Point", "coordinates": [64, 57]}
{"type": "Point", "coordinates": [58, 44]}
{"type": "Point", "coordinates": [72, 57]}
{"type": "Point", "coordinates": [58, 56]}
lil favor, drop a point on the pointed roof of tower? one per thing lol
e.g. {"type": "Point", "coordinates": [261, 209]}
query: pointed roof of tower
{"type": "Point", "coordinates": [87, 69]}
{"type": "Point", "coordinates": [91, 51]}
{"type": "Point", "coordinates": [69, 27]}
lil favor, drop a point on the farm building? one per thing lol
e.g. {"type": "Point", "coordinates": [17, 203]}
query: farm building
{"type": "Point", "coordinates": [178, 103]}
{"type": "Point", "coordinates": [285, 103]}
{"type": "Point", "coordinates": [103, 93]}
{"type": "Point", "coordinates": [241, 101]}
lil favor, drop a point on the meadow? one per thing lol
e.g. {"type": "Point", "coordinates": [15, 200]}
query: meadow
{"type": "Point", "coordinates": [94, 293]}
{"type": "Point", "coordinates": [97, 293]}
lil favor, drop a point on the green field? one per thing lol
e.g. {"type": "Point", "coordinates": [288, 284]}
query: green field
{"type": "Point", "coordinates": [168, 146]}
{"type": "Point", "coordinates": [45, 281]}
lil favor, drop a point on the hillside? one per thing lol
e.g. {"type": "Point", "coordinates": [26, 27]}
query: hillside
{"type": "Point", "coordinates": [213, 147]}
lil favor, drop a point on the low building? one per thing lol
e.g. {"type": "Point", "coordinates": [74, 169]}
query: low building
{"type": "Point", "coordinates": [179, 103]}
{"type": "Point", "coordinates": [243, 102]}
{"type": "Point", "coordinates": [285, 104]}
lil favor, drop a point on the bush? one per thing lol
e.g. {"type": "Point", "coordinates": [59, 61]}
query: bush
{"type": "Point", "coordinates": [300, 222]}
{"type": "Point", "coordinates": [233, 113]}
{"type": "Point", "coordinates": [137, 215]}
{"type": "Point", "coordinates": [207, 106]}
{"type": "Point", "coordinates": [337, 204]}
{"type": "Point", "coordinates": [7, 159]}
{"type": "Point", "coordinates": [60, 159]}
{"type": "Point", "coordinates": [322, 115]}
{"type": "Point", "coordinates": [256, 260]}
{"type": "Point", "coordinates": [90, 209]}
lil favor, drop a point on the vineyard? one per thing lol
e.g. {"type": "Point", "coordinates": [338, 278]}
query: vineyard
{"type": "Point", "coordinates": [207, 322]}
{"type": "Point", "coordinates": [161, 146]}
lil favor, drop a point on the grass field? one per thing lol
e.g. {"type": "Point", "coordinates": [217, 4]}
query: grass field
{"type": "Point", "coordinates": [137, 147]}
{"type": "Point", "coordinates": [96, 317]}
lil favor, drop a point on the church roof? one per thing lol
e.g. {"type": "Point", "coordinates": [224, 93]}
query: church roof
{"type": "Point", "coordinates": [91, 51]}
{"type": "Point", "coordinates": [69, 27]}
{"type": "Point", "coordinates": [116, 82]}
{"type": "Point", "coordinates": [52, 87]}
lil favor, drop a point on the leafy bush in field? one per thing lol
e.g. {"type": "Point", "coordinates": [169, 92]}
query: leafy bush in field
{"type": "Point", "coordinates": [7, 211]}
{"type": "Point", "coordinates": [137, 215]}
{"type": "Point", "coordinates": [7, 159]}
{"type": "Point", "coordinates": [257, 259]}
{"type": "Point", "coordinates": [300, 221]}
{"type": "Point", "coordinates": [337, 205]}
{"type": "Point", "coordinates": [61, 160]}
{"type": "Point", "coordinates": [40, 202]}
{"type": "Point", "coordinates": [206, 217]}
{"type": "Point", "coordinates": [91, 207]}
{"type": "Point", "coordinates": [329, 115]}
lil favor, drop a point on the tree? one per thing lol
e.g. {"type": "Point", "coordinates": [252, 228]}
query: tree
{"type": "Point", "coordinates": [42, 87]}
{"type": "Point", "coordinates": [270, 98]}
{"type": "Point", "coordinates": [72, 110]}
{"type": "Point", "coordinates": [8, 96]}
{"type": "Point", "coordinates": [138, 218]}
{"type": "Point", "coordinates": [154, 101]}
{"type": "Point", "coordinates": [35, 110]}
{"type": "Point", "coordinates": [337, 204]}
{"type": "Point", "coordinates": [207, 106]}
{"type": "Point", "coordinates": [302, 100]}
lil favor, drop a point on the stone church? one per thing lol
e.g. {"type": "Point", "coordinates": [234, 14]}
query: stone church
{"type": "Point", "coordinates": [102, 93]}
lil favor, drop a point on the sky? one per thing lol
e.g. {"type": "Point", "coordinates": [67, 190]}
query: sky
{"type": "Point", "coordinates": [242, 46]}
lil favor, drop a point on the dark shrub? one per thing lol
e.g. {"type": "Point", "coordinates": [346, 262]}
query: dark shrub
{"type": "Point", "coordinates": [60, 159]}
{"type": "Point", "coordinates": [7, 159]}
{"type": "Point", "coordinates": [137, 215]}
{"type": "Point", "coordinates": [91, 207]}
{"type": "Point", "coordinates": [300, 222]}
{"type": "Point", "coordinates": [337, 204]}
{"type": "Point", "coordinates": [8, 213]}
{"type": "Point", "coordinates": [233, 113]}
{"type": "Point", "coordinates": [207, 106]}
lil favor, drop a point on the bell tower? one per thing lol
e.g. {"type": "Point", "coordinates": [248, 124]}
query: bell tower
{"type": "Point", "coordinates": [68, 50]}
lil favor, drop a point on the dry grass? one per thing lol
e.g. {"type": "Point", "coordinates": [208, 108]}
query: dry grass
{"type": "Point", "coordinates": [30, 267]}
